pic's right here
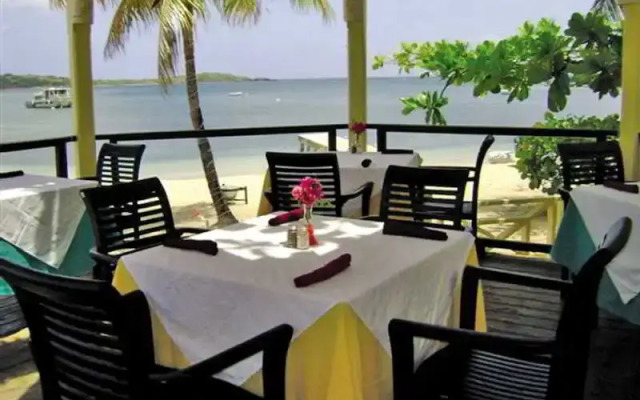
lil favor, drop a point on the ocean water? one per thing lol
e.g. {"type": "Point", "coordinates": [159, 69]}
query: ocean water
{"type": "Point", "coordinates": [127, 109]}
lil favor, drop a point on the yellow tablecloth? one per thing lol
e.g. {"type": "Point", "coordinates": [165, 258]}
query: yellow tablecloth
{"type": "Point", "coordinates": [337, 357]}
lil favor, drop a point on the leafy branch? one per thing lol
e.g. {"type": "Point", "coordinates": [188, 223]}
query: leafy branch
{"type": "Point", "coordinates": [587, 53]}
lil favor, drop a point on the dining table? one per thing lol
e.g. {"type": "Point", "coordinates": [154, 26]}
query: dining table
{"type": "Point", "coordinates": [354, 174]}
{"type": "Point", "coordinates": [588, 216]}
{"type": "Point", "coordinates": [203, 304]}
{"type": "Point", "coordinates": [44, 225]}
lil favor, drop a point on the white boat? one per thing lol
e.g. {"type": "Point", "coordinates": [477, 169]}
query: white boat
{"type": "Point", "coordinates": [235, 94]}
{"type": "Point", "coordinates": [54, 97]}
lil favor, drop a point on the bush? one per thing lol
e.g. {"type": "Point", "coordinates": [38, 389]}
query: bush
{"type": "Point", "coordinates": [537, 157]}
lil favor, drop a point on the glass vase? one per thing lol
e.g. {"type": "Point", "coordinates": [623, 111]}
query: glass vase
{"type": "Point", "coordinates": [308, 213]}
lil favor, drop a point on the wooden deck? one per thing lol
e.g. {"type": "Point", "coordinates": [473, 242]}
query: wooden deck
{"type": "Point", "coordinates": [529, 312]}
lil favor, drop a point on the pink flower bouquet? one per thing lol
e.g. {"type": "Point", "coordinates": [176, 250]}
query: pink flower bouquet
{"type": "Point", "coordinates": [308, 191]}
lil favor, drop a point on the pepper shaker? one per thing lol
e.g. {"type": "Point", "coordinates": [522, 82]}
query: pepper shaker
{"type": "Point", "coordinates": [292, 237]}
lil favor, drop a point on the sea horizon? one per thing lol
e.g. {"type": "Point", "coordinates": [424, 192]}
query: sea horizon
{"type": "Point", "coordinates": [144, 108]}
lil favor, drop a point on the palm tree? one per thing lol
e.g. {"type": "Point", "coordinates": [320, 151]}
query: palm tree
{"type": "Point", "coordinates": [610, 8]}
{"type": "Point", "coordinates": [177, 21]}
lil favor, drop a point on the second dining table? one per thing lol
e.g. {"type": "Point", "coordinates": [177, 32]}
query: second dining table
{"type": "Point", "coordinates": [203, 304]}
{"type": "Point", "coordinates": [586, 220]}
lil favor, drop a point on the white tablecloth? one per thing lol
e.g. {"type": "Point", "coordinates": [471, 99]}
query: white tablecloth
{"type": "Point", "coordinates": [354, 175]}
{"type": "Point", "coordinates": [208, 304]}
{"type": "Point", "coordinates": [40, 214]}
{"type": "Point", "coordinates": [601, 207]}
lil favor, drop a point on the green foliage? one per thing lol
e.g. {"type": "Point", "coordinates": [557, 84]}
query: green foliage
{"type": "Point", "coordinates": [537, 159]}
{"type": "Point", "coordinates": [587, 53]}
{"type": "Point", "coordinates": [9, 81]}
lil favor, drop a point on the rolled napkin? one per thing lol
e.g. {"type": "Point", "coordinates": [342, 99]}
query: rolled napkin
{"type": "Point", "coordinates": [290, 216]}
{"type": "Point", "coordinates": [366, 163]}
{"type": "Point", "coordinates": [412, 229]}
{"type": "Point", "coordinates": [331, 269]}
{"type": "Point", "coordinates": [621, 186]}
{"type": "Point", "coordinates": [203, 246]}
{"type": "Point", "coordinates": [11, 174]}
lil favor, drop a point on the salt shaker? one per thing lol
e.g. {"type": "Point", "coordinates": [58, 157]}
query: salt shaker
{"type": "Point", "coordinates": [303, 238]}
{"type": "Point", "coordinates": [292, 237]}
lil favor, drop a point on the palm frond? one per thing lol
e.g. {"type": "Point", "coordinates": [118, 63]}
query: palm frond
{"type": "Point", "coordinates": [62, 4]}
{"type": "Point", "coordinates": [241, 12]}
{"type": "Point", "coordinates": [610, 8]}
{"type": "Point", "coordinates": [322, 6]}
{"type": "Point", "coordinates": [129, 15]}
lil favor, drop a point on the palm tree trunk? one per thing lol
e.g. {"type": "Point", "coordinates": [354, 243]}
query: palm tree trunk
{"type": "Point", "coordinates": [225, 215]}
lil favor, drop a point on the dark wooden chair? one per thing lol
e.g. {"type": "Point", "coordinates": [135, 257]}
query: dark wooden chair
{"type": "Point", "coordinates": [429, 196]}
{"type": "Point", "coordinates": [287, 169]}
{"type": "Point", "coordinates": [129, 217]}
{"type": "Point", "coordinates": [118, 163]}
{"type": "Point", "coordinates": [476, 365]}
{"type": "Point", "coordinates": [589, 164]}
{"type": "Point", "coordinates": [470, 208]}
{"type": "Point", "coordinates": [90, 342]}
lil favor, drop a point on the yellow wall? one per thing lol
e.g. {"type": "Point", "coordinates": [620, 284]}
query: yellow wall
{"type": "Point", "coordinates": [630, 127]}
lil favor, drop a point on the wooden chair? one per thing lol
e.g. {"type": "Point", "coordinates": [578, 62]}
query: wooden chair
{"type": "Point", "coordinates": [589, 164]}
{"type": "Point", "coordinates": [287, 169]}
{"type": "Point", "coordinates": [90, 342]}
{"type": "Point", "coordinates": [470, 208]}
{"type": "Point", "coordinates": [129, 217]}
{"type": "Point", "coordinates": [476, 365]}
{"type": "Point", "coordinates": [429, 196]}
{"type": "Point", "coordinates": [118, 163]}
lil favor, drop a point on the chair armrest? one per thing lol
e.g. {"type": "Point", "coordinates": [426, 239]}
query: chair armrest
{"type": "Point", "coordinates": [402, 334]}
{"type": "Point", "coordinates": [375, 218]}
{"type": "Point", "coordinates": [88, 178]}
{"type": "Point", "coordinates": [401, 330]}
{"type": "Point", "coordinates": [103, 259]}
{"type": "Point", "coordinates": [274, 343]}
{"type": "Point", "coordinates": [192, 231]}
{"type": "Point", "coordinates": [364, 191]}
{"type": "Point", "coordinates": [473, 275]}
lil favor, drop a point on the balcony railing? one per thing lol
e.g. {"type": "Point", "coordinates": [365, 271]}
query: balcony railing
{"type": "Point", "coordinates": [382, 133]}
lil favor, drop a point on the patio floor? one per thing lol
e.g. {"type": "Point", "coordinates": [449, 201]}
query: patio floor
{"type": "Point", "coordinates": [528, 312]}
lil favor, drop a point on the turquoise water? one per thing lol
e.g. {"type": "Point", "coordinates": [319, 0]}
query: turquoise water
{"type": "Point", "coordinates": [277, 103]}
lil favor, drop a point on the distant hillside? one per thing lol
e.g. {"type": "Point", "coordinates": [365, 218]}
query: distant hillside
{"type": "Point", "coordinates": [8, 81]}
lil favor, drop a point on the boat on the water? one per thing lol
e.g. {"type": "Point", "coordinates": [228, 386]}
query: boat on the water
{"type": "Point", "coordinates": [53, 97]}
{"type": "Point", "coordinates": [234, 94]}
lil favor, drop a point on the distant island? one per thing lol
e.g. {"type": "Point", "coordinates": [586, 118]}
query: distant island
{"type": "Point", "coordinates": [11, 81]}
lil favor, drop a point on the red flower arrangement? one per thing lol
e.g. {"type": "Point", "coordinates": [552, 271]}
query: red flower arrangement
{"type": "Point", "coordinates": [358, 128]}
{"type": "Point", "coordinates": [308, 192]}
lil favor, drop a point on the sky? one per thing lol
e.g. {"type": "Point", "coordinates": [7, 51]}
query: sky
{"type": "Point", "coordinates": [284, 44]}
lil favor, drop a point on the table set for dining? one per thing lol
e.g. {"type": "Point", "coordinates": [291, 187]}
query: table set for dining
{"type": "Point", "coordinates": [217, 289]}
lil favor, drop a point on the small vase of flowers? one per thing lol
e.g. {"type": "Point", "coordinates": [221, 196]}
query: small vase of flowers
{"type": "Point", "coordinates": [308, 193]}
{"type": "Point", "coordinates": [358, 128]}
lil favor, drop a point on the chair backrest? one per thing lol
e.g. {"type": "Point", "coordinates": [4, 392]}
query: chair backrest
{"type": "Point", "coordinates": [590, 163]}
{"type": "Point", "coordinates": [429, 196]}
{"type": "Point", "coordinates": [580, 313]}
{"type": "Point", "coordinates": [288, 169]}
{"type": "Point", "coordinates": [119, 163]}
{"type": "Point", "coordinates": [129, 216]}
{"type": "Point", "coordinates": [87, 341]}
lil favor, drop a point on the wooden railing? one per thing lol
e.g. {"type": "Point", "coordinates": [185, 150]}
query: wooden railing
{"type": "Point", "coordinates": [382, 131]}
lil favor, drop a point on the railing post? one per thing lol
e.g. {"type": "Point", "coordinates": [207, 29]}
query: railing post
{"type": "Point", "coordinates": [333, 137]}
{"type": "Point", "coordinates": [381, 139]}
{"type": "Point", "coordinates": [62, 168]}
